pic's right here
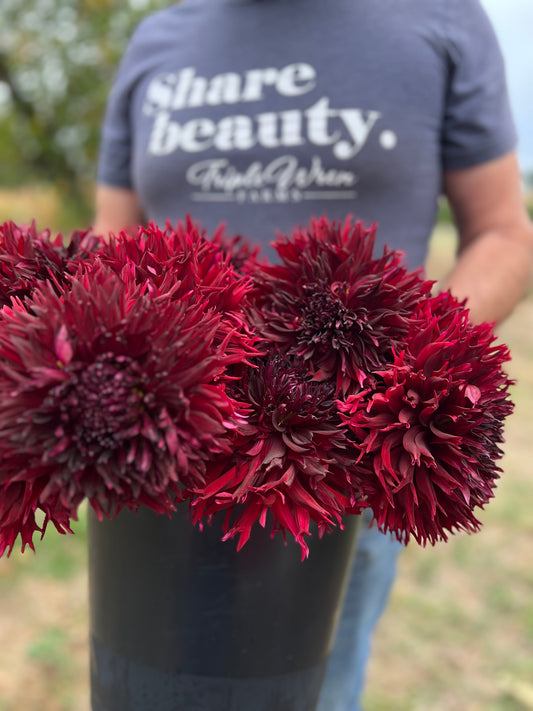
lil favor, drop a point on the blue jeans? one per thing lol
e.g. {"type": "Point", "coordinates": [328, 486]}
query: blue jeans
{"type": "Point", "coordinates": [371, 579]}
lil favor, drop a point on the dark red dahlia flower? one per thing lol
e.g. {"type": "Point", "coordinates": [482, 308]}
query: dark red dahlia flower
{"type": "Point", "coordinates": [28, 257]}
{"type": "Point", "coordinates": [111, 392]}
{"type": "Point", "coordinates": [430, 430]}
{"type": "Point", "coordinates": [183, 261]}
{"type": "Point", "coordinates": [334, 305]}
{"type": "Point", "coordinates": [290, 457]}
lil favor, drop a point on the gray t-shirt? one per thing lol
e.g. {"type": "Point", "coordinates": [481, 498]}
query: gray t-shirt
{"type": "Point", "coordinates": [263, 113]}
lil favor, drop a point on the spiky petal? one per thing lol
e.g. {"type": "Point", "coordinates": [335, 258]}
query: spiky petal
{"type": "Point", "coordinates": [28, 257]}
{"type": "Point", "coordinates": [181, 261]}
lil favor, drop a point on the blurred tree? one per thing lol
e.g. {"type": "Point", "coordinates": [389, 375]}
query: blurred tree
{"type": "Point", "coordinates": [57, 62]}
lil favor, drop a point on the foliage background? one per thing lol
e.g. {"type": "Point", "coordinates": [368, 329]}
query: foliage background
{"type": "Point", "coordinates": [57, 62]}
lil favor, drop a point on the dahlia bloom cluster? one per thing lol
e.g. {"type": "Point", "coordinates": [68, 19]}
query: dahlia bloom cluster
{"type": "Point", "coordinates": [372, 393]}
{"type": "Point", "coordinates": [164, 368]}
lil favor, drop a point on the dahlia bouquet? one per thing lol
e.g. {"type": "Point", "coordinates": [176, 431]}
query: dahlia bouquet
{"type": "Point", "coordinates": [167, 369]}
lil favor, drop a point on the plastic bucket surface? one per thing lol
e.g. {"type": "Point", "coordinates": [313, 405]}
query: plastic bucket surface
{"type": "Point", "coordinates": [181, 620]}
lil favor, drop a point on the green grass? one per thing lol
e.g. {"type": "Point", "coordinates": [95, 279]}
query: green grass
{"type": "Point", "coordinates": [57, 556]}
{"type": "Point", "coordinates": [48, 650]}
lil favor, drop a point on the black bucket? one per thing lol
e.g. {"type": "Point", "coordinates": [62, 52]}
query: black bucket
{"type": "Point", "coordinates": [181, 621]}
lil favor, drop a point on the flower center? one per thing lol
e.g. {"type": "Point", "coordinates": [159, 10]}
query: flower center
{"type": "Point", "coordinates": [325, 319]}
{"type": "Point", "coordinates": [100, 405]}
{"type": "Point", "coordinates": [283, 395]}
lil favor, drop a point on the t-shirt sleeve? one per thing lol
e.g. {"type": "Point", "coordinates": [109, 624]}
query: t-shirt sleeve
{"type": "Point", "coordinates": [115, 152]}
{"type": "Point", "coordinates": [478, 124]}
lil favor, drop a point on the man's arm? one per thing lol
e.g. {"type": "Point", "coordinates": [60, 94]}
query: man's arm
{"type": "Point", "coordinates": [495, 258]}
{"type": "Point", "coordinates": [117, 209]}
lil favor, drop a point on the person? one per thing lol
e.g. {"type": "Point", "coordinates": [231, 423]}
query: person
{"type": "Point", "coordinates": [262, 113]}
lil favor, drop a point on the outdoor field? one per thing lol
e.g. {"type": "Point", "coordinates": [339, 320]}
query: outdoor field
{"type": "Point", "coordinates": [457, 636]}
